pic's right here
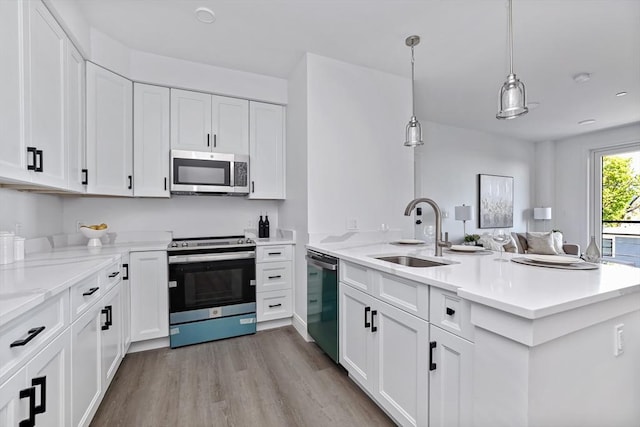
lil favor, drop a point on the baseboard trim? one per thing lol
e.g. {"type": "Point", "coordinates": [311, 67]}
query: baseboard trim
{"type": "Point", "coordinates": [301, 326]}
{"type": "Point", "coordinates": [145, 345]}
{"type": "Point", "coordinates": [271, 324]}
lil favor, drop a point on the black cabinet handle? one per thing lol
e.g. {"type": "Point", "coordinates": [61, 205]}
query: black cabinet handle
{"type": "Point", "coordinates": [432, 365]}
{"type": "Point", "coordinates": [253, 187]}
{"type": "Point", "coordinates": [450, 311]}
{"type": "Point", "coordinates": [32, 334]}
{"type": "Point", "coordinates": [31, 166]}
{"type": "Point", "coordinates": [130, 178]}
{"type": "Point", "coordinates": [91, 291]}
{"type": "Point", "coordinates": [114, 274]}
{"type": "Point", "coordinates": [165, 183]}
{"type": "Point", "coordinates": [85, 176]}
{"type": "Point", "coordinates": [106, 311]}
{"type": "Point", "coordinates": [274, 253]}
{"type": "Point", "coordinates": [275, 277]}
{"type": "Point", "coordinates": [275, 305]}
{"type": "Point", "coordinates": [42, 382]}
{"type": "Point", "coordinates": [374, 328]}
{"type": "Point", "coordinates": [367, 324]}
{"type": "Point", "coordinates": [215, 140]}
{"type": "Point", "coordinates": [126, 269]}
{"type": "Point", "coordinates": [40, 165]}
{"type": "Point", "coordinates": [208, 137]}
{"type": "Point", "coordinates": [29, 393]}
{"type": "Point", "coordinates": [110, 315]}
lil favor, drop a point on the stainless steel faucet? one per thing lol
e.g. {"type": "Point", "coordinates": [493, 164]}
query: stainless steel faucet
{"type": "Point", "coordinates": [439, 242]}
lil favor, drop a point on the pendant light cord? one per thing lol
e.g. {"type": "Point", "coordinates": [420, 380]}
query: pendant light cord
{"type": "Point", "coordinates": [510, 38]}
{"type": "Point", "coordinates": [413, 97]}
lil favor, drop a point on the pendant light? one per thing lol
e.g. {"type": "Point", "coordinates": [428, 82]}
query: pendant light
{"type": "Point", "coordinates": [512, 100]}
{"type": "Point", "coordinates": [414, 130]}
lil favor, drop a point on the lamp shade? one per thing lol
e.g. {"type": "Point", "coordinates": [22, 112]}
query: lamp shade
{"type": "Point", "coordinates": [541, 213]}
{"type": "Point", "coordinates": [464, 213]}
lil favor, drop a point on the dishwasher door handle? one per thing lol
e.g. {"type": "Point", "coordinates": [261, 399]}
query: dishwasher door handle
{"type": "Point", "coordinates": [320, 264]}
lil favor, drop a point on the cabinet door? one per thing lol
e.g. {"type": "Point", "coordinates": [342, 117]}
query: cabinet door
{"type": "Point", "coordinates": [401, 344]}
{"type": "Point", "coordinates": [190, 120]}
{"type": "Point", "coordinates": [266, 150]}
{"type": "Point", "coordinates": [450, 380]}
{"type": "Point", "coordinates": [230, 125]}
{"type": "Point", "coordinates": [355, 336]}
{"type": "Point", "coordinates": [148, 277]}
{"type": "Point", "coordinates": [86, 372]}
{"type": "Point", "coordinates": [151, 140]}
{"type": "Point", "coordinates": [75, 125]}
{"type": "Point", "coordinates": [50, 373]}
{"type": "Point", "coordinates": [111, 339]}
{"type": "Point", "coordinates": [13, 409]}
{"type": "Point", "coordinates": [126, 305]}
{"type": "Point", "coordinates": [45, 68]}
{"type": "Point", "coordinates": [109, 132]}
{"type": "Point", "coordinates": [13, 147]}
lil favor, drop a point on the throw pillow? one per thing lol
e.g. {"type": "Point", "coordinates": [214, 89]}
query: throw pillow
{"type": "Point", "coordinates": [488, 243]}
{"type": "Point", "coordinates": [511, 246]}
{"type": "Point", "coordinates": [540, 243]}
{"type": "Point", "coordinates": [558, 243]}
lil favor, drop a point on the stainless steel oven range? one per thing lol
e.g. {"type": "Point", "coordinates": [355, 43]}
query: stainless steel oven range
{"type": "Point", "coordinates": [212, 289]}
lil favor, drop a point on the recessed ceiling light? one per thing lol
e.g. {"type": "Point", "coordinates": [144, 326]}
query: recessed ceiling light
{"type": "Point", "coordinates": [587, 122]}
{"type": "Point", "coordinates": [621, 94]}
{"type": "Point", "coordinates": [582, 77]}
{"type": "Point", "coordinates": [206, 15]}
{"type": "Point", "coordinates": [533, 105]}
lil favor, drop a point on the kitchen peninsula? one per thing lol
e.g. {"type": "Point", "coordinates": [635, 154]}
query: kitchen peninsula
{"type": "Point", "coordinates": [503, 344]}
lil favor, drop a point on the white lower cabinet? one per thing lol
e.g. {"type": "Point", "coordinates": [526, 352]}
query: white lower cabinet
{"type": "Point", "coordinates": [450, 380]}
{"type": "Point", "coordinates": [126, 305]}
{"type": "Point", "coordinates": [148, 279]}
{"type": "Point", "coordinates": [111, 329]}
{"type": "Point", "coordinates": [386, 350]}
{"type": "Point", "coordinates": [274, 279]}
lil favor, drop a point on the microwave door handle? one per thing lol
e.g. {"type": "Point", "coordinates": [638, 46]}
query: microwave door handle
{"type": "Point", "coordinates": [232, 172]}
{"type": "Point", "coordinates": [189, 259]}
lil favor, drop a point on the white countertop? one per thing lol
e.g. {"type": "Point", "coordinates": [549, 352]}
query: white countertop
{"type": "Point", "coordinates": [527, 291]}
{"type": "Point", "coordinates": [27, 283]}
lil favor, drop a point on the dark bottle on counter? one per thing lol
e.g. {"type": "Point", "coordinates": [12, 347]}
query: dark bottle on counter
{"type": "Point", "coordinates": [266, 226]}
{"type": "Point", "coordinates": [261, 228]}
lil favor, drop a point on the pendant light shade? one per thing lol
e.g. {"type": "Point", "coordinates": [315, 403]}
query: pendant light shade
{"type": "Point", "coordinates": [512, 99]}
{"type": "Point", "coordinates": [414, 130]}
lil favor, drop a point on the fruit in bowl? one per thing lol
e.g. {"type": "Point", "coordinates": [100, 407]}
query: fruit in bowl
{"type": "Point", "coordinates": [94, 233]}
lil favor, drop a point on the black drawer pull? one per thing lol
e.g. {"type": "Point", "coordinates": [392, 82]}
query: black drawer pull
{"type": "Point", "coordinates": [91, 291]}
{"type": "Point", "coordinates": [114, 274]}
{"type": "Point", "coordinates": [432, 365]}
{"type": "Point", "coordinates": [32, 334]}
{"type": "Point", "coordinates": [106, 311]}
{"type": "Point", "coordinates": [275, 253]}
{"type": "Point", "coordinates": [208, 140]}
{"type": "Point", "coordinates": [275, 277]}
{"type": "Point", "coordinates": [31, 166]}
{"type": "Point", "coordinates": [450, 311]}
{"type": "Point", "coordinates": [29, 393]}
{"type": "Point", "coordinates": [374, 328]}
{"type": "Point", "coordinates": [42, 382]}
{"type": "Point", "coordinates": [40, 164]}
{"type": "Point", "coordinates": [165, 184]}
{"type": "Point", "coordinates": [126, 269]}
{"type": "Point", "coordinates": [130, 178]}
{"type": "Point", "coordinates": [85, 176]}
{"type": "Point", "coordinates": [367, 324]}
{"type": "Point", "coordinates": [275, 305]}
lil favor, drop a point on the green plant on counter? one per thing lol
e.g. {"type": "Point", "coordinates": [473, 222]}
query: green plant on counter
{"type": "Point", "coordinates": [471, 237]}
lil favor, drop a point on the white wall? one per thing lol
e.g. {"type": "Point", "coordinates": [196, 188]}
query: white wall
{"type": "Point", "coordinates": [450, 162]}
{"type": "Point", "coordinates": [73, 22]}
{"type": "Point", "coordinates": [573, 188]}
{"type": "Point", "coordinates": [358, 166]}
{"type": "Point", "coordinates": [186, 216]}
{"type": "Point", "coordinates": [38, 215]}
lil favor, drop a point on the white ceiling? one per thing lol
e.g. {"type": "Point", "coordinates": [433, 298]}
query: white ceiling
{"type": "Point", "coordinates": [460, 63]}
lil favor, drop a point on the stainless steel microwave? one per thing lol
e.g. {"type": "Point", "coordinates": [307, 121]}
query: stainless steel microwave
{"type": "Point", "coordinates": [196, 172]}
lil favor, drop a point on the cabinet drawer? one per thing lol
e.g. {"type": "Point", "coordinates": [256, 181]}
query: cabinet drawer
{"type": "Point", "coordinates": [84, 294]}
{"type": "Point", "coordinates": [451, 313]}
{"type": "Point", "coordinates": [30, 332]}
{"type": "Point", "coordinates": [273, 276]}
{"type": "Point", "coordinates": [273, 253]}
{"type": "Point", "coordinates": [407, 295]}
{"type": "Point", "coordinates": [273, 305]}
{"type": "Point", "coordinates": [110, 275]}
{"type": "Point", "coordinates": [356, 276]}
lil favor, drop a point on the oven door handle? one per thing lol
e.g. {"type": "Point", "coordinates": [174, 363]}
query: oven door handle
{"type": "Point", "coordinates": [189, 259]}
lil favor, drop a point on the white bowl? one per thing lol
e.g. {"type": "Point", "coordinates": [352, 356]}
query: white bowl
{"type": "Point", "coordinates": [93, 235]}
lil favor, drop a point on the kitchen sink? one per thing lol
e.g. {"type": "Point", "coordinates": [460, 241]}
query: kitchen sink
{"type": "Point", "coordinates": [410, 261]}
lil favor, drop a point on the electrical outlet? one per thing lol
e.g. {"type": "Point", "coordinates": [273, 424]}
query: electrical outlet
{"type": "Point", "coordinates": [79, 223]}
{"type": "Point", "coordinates": [618, 339]}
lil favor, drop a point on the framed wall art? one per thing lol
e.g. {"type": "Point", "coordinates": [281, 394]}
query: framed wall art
{"type": "Point", "coordinates": [496, 201]}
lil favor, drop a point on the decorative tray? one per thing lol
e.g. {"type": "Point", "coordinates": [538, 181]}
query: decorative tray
{"type": "Point", "coordinates": [577, 265]}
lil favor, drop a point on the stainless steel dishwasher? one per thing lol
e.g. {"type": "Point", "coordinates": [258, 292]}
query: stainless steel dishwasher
{"type": "Point", "coordinates": [322, 301]}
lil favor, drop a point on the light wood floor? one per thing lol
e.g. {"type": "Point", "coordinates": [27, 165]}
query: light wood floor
{"type": "Point", "coordinates": [272, 378]}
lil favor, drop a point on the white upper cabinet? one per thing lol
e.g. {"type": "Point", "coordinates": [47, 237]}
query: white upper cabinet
{"type": "Point", "coordinates": [13, 154]}
{"type": "Point", "coordinates": [45, 70]}
{"type": "Point", "coordinates": [203, 122]}
{"type": "Point", "coordinates": [230, 125]}
{"type": "Point", "coordinates": [109, 132]}
{"type": "Point", "coordinates": [76, 158]}
{"type": "Point", "coordinates": [190, 120]}
{"type": "Point", "coordinates": [151, 140]}
{"type": "Point", "coordinates": [267, 151]}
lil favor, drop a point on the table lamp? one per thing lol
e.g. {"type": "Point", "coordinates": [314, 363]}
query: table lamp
{"type": "Point", "coordinates": [543, 214]}
{"type": "Point", "coordinates": [464, 213]}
